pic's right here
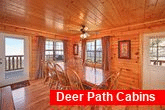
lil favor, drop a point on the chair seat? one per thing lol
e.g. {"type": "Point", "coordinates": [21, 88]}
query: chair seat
{"type": "Point", "coordinates": [87, 87]}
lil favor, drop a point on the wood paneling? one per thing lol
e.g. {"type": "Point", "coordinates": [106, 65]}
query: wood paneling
{"type": "Point", "coordinates": [129, 78]}
{"type": "Point", "coordinates": [60, 16]}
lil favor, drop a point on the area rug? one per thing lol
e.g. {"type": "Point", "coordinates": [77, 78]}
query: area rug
{"type": "Point", "coordinates": [20, 84]}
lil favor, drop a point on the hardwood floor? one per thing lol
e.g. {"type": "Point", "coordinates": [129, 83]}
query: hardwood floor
{"type": "Point", "coordinates": [36, 97]}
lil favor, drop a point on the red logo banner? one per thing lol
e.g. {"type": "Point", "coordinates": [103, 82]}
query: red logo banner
{"type": "Point", "coordinates": [107, 97]}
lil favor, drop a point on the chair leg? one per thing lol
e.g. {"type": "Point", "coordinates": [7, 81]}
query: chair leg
{"type": "Point", "coordinates": [56, 85]}
{"type": "Point", "coordinates": [50, 83]}
{"type": "Point", "coordinates": [46, 79]}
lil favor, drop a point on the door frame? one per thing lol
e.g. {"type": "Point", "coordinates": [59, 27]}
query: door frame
{"type": "Point", "coordinates": [25, 76]}
{"type": "Point", "coordinates": [146, 76]}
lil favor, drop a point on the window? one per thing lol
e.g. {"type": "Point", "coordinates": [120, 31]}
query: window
{"type": "Point", "coordinates": [54, 50]}
{"type": "Point", "coordinates": [157, 51]}
{"type": "Point", "coordinates": [94, 50]}
{"type": "Point", "coordinates": [14, 53]}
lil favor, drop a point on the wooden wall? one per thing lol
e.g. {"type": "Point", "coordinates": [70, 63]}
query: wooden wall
{"type": "Point", "coordinates": [131, 69]}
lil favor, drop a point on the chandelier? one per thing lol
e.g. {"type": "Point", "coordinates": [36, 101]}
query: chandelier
{"type": "Point", "coordinates": [84, 35]}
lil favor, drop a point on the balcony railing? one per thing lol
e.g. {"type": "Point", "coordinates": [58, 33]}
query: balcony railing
{"type": "Point", "coordinates": [158, 62]}
{"type": "Point", "coordinates": [14, 62]}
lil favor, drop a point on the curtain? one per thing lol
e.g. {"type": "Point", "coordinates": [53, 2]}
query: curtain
{"type": "Point", "coordinates": [83, 49]}
{"type": "Point", "coordinates": [105, 52]}
{"type": "Point", "coordinates": [40, 57]}
{"type": "Point", "coordinates": [65, 43]}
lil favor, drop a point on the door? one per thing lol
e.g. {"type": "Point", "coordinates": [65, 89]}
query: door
{"type": "Point", "coordinates": [154, 61]}
{"type": "Point", "coordinates": [2, 59]}
{"type": "Point", "coordinates": [14, 58]}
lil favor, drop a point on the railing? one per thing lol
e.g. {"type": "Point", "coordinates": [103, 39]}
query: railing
{"type": "Point", "coordinates": [14, 62]}
{"type": "Point", "coordinates": [158, 62]}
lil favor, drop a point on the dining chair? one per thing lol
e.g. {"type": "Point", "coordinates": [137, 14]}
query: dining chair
{"type": "Point", "coordinates": [52, 74]}
{"type": "Point", "coordinates": [71, 63]}
{"type": "Point", "coordinates": [63, 83]}
{"type": "Point", "coordinates": [97, 62]}
{"type": "Point", "coordinates": [90, 63]}
{"type": "Point", "coordinates": [111, 82]}
{"type": "Point", "coordinates": [74, 79]}
{"type": "Point", "coordinates": [76, 64]}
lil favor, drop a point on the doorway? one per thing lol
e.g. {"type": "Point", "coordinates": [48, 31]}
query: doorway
{"type": "Point", "coordinates": [154, 61]}
{"type": "Point", "coordinates": [14, 59]}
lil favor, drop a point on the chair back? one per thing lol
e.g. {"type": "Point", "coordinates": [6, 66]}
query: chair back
{"type": "Point", "coordinates": [74, 80]}
{"type": "Point", "coordinates": [62, 77]}
{"type": "Point", "coordinates": [113, 80]}
{"type": "Point", "coordinates": [99, 61]}
{"type": "Point", "coordinates": [89, 62]}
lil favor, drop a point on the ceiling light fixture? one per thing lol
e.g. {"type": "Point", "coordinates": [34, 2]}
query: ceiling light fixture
{"type": "Point", "coordinates": [84, 35]}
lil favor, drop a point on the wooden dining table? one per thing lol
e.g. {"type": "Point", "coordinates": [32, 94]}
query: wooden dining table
{"type": "Point", "coordinates": [91, 77]}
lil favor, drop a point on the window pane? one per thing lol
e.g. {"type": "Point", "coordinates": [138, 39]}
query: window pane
{"type": "Point", "coordinates": [90, 45]}
{"type": "Point", "coordinates": [94, 50]}
{"type": "Point", "coordinates": [59, 45]}
{"type": "Point", "coordinates": [157, 51]}
{"type": "Point", "coordinates": [49, 45]}
{"type": "Point", "coordinates": [14, 52]}
{"type": "Point", "coordinates": [99, 48]}
{"type": "Point", "coordinates": [14, 46]}
{"type": "Point", "coordinates": [49, 53]}
{"type": "Point", "coordinates": [98, 42]}
{"type": "Point", "coordinates": [57, 53]}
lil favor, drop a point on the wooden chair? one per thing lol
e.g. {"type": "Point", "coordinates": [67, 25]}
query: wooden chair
{"type": "Point", "coordinates": [76, 64]}
{"type": "Point", "coordinates": [51, 74]}
{"type": "Point", "coordinates": [74, 80]}
{"type": "Point", "coordinates": [111, 82]}
{"type": "Point", "coordinates": [71, 63]}
{"type": "Point", "coordinates": [98, 62]}
{"type": "Point", "coordinates": [90, 63]}
{"type": "Point", "coordinates": [53, 78]}
{"type": "Point", "coordinates": [62, 77]}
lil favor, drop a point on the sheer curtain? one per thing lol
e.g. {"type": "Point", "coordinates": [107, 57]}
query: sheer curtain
{"type": "Point", "coordinates": [83, 49]}
{"type": "Point", "coordinates": [40, 57]}
{"type": "Point", "coordinates": [105, 52]}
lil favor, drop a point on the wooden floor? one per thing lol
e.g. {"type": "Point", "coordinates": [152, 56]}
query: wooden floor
{"type": "Point", "coordinates": [36, 97]}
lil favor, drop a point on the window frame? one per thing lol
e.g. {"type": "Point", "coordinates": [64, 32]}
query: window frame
{"type": "Point", "coordinates": [54, 50]}
{"type": "Point", "coordinates": [95, 51]}
{"type": "Point", "coordinates": [157, 61]}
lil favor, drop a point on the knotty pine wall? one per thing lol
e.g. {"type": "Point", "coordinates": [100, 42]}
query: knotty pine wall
{"type": "Point", "coordinates": [131, 68]}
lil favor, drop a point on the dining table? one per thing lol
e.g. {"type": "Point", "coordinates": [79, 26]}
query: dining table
{"type": "Point", "coordinates": [90, 77]}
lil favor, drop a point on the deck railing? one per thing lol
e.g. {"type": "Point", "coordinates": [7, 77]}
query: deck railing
{"type": "Point", "coordinates": [158, 62]}
{"type": "Point", "coordinates": [14, 62]}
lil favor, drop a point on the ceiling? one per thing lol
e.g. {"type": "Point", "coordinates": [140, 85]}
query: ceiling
{"type": "Point", "coordinates": [62, 16]}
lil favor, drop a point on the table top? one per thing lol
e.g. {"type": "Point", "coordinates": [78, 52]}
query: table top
{"type": "Point", "coordinates": [89, 76]}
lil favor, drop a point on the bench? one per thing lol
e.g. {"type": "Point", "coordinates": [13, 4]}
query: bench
{"type": "Point", "coordinates": [6, 99]}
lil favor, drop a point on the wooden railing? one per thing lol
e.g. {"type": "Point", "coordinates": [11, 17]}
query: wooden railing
{"type": "Point", "coordinates": [14, 62]}
{"type": "Point", "coordinates": [158, 62]}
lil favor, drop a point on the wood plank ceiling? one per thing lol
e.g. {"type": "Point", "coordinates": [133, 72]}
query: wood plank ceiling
{"type": "Point", "coordinates": [61, 16]}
